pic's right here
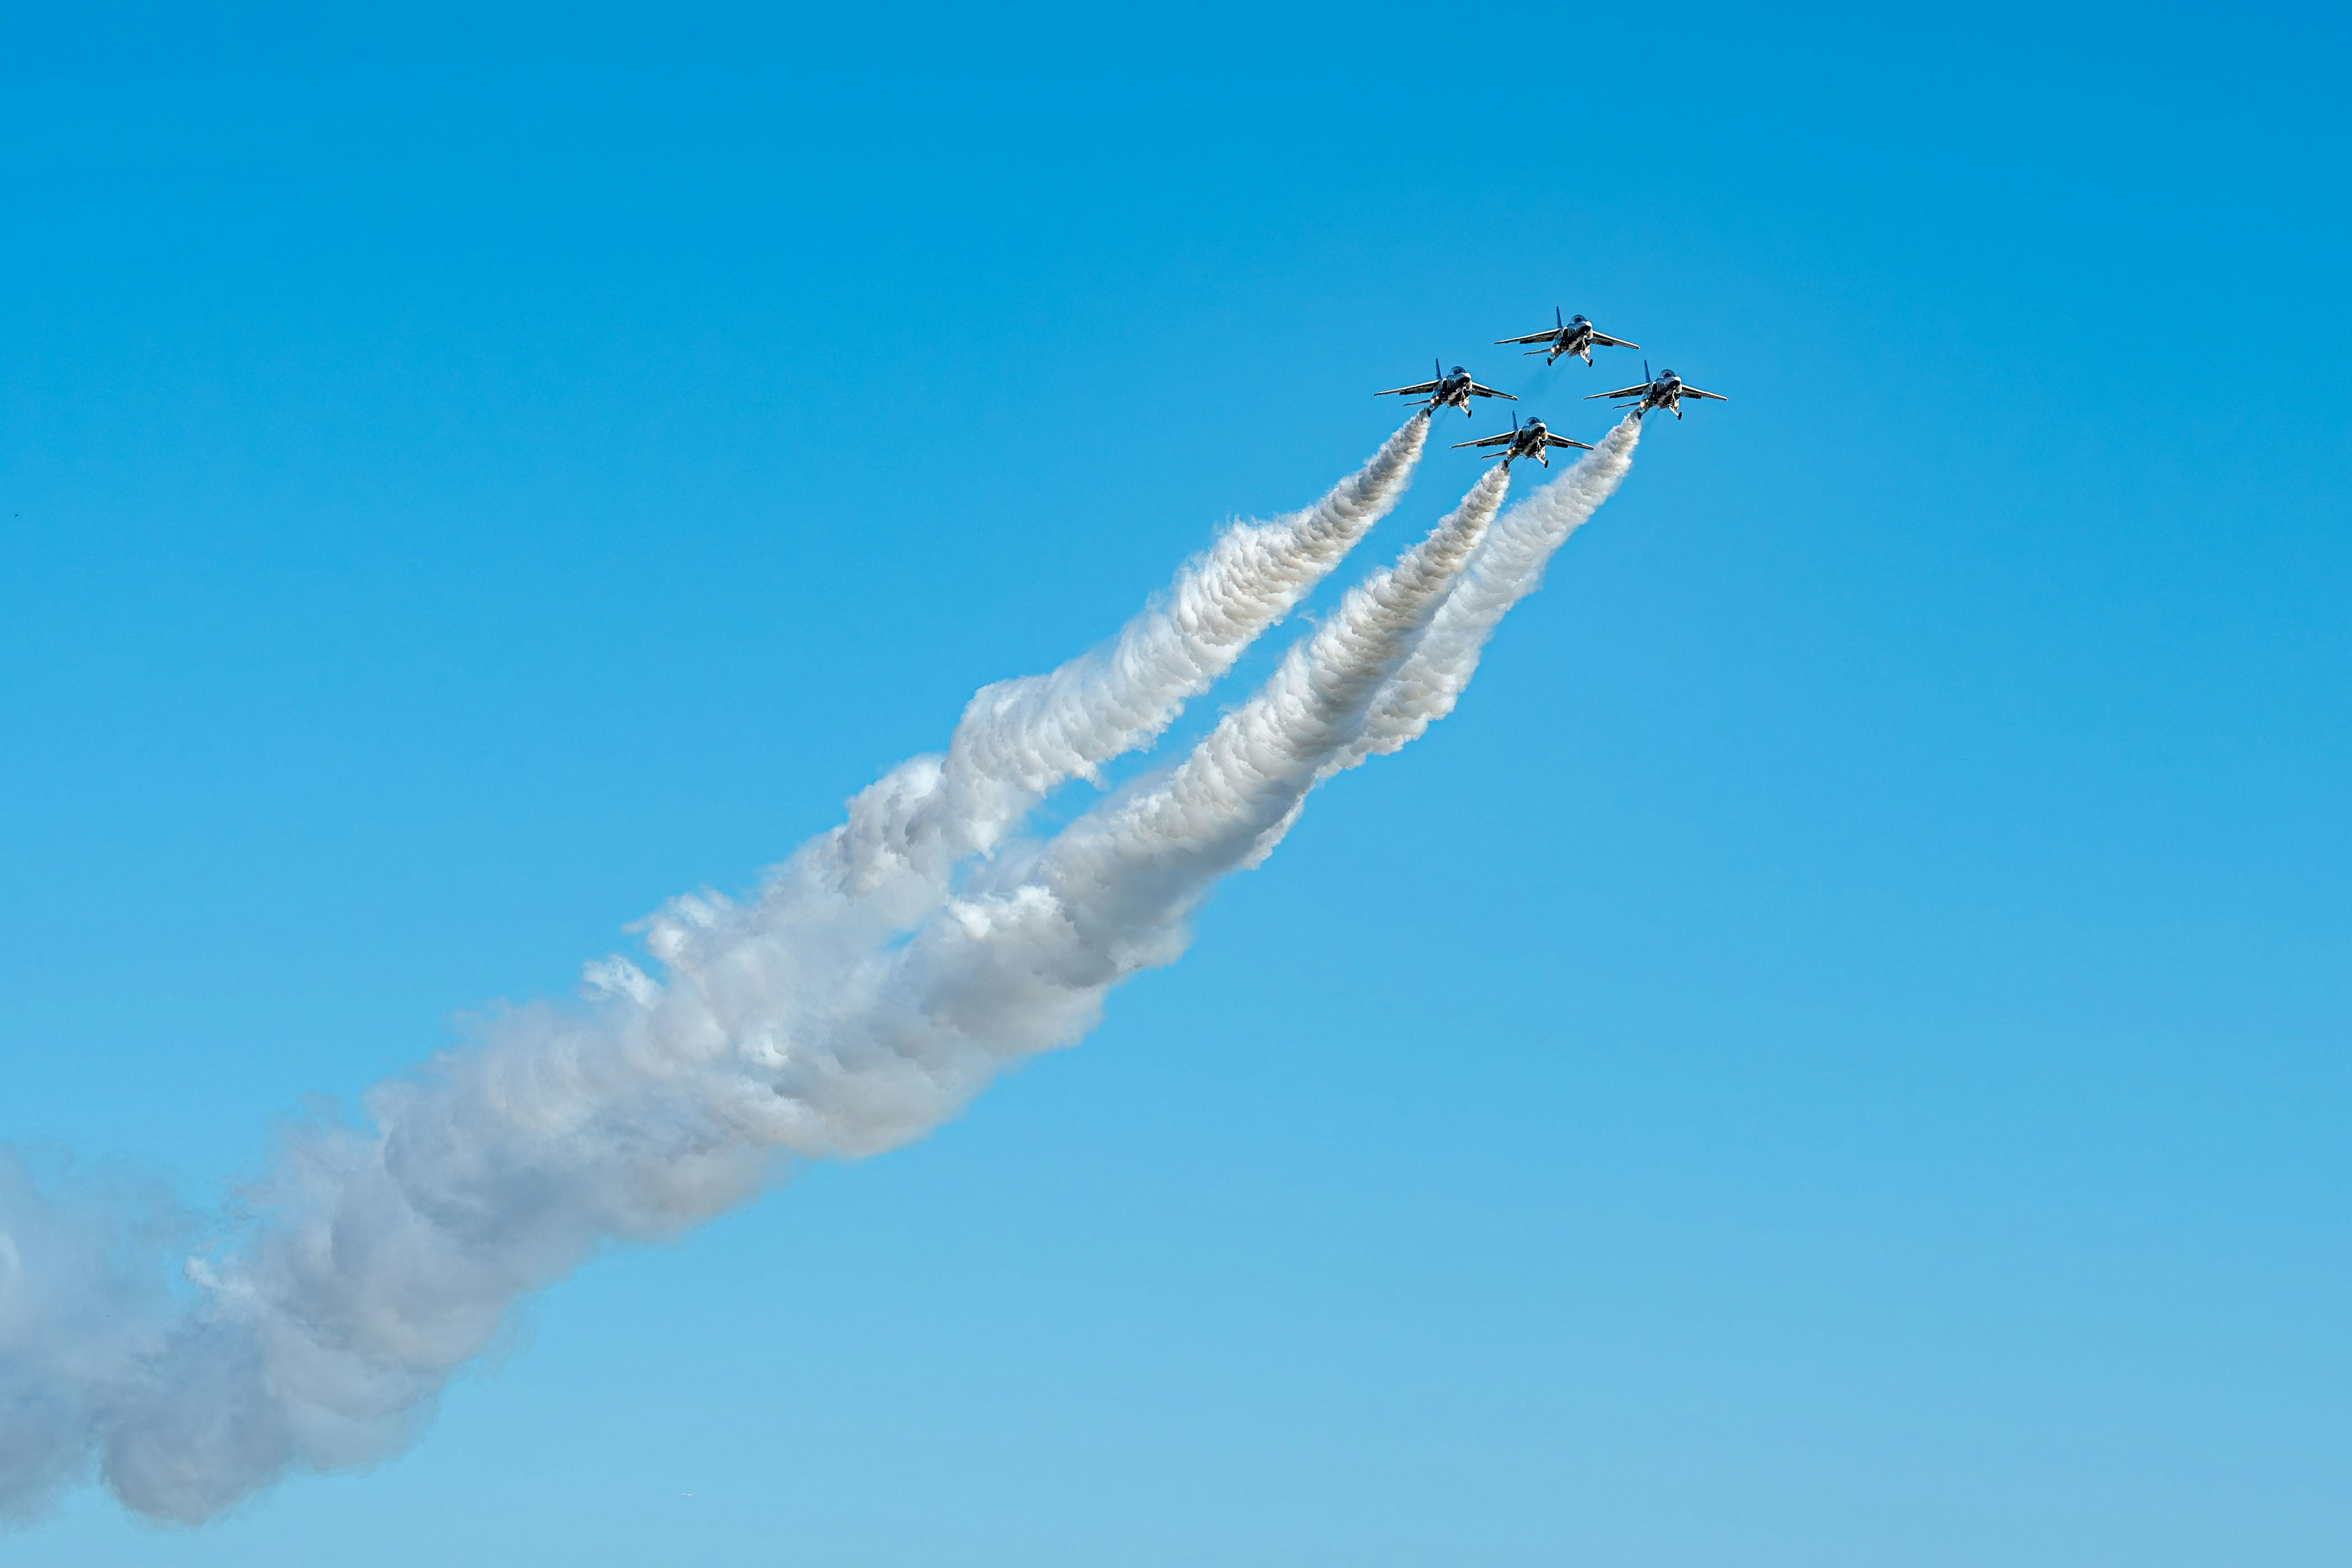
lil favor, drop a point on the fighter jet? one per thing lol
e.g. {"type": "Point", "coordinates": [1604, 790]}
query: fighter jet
{"type": "Point", "coordinates": [1574, 336]}
{"type": "Point", "coordinates": [1527, 440]}
{"type": "Point", "coordinates": [1666, 392]}
{"type": "Point", "coordinates": [1451, 389]}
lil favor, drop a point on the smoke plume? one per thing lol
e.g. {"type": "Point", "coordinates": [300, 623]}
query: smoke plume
{"type": "Point", "coordinates": [878, 979]}
{"type": "Point", "coordinates": [1021, 961]}
{"type": "Point", "coordinates": [1019, 738]}
{"type": "Point", "coordinates": [1510, 568]}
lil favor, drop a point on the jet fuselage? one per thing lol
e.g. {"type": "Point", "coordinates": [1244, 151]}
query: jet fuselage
{"type": "Point", "coordinates": [1576, 338]}
{"type": "Point", "coordinates": [1453, 391]}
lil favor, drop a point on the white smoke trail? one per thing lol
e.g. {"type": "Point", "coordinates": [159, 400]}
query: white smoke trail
{"type": "Point", "coordinates": [383, 1257]}
{"type": "Point", "coordinates": [1019, 738]}
{"type": "Point", "coordinates": [1508, 568]}
{"type": "Point", "coordinates": [1024, 965]}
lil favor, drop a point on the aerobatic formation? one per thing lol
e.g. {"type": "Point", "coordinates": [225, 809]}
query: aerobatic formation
{"type": "Point", "coordinates": [874, 982]}
{"type": "Point", "coordinates": [1573, 335]}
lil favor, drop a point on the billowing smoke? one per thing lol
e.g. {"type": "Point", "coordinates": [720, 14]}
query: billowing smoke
{"type": "Point", "coordinates": [80, 1294]}
{"type": "Point", "coordinates": [1508, 570]}
{"type": "Point", "coordinates": [879, 980]}
{"type": "Point", "coordinates": [1020, 738]}
{"type": "Point", "coordinates": [1020, 962]}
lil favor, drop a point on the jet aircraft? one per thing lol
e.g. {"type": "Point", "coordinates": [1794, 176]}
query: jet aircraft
{"type": "Point", "coordinates": [1574, 336]}
{"type": "Point", "coordinates": [1527, 440]}
{"type": "Point", "coordinates": [1452, 389]}
{"type": "Point", "coordinates": [1666, 392]}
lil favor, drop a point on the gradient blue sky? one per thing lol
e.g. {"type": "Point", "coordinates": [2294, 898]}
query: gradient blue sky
{"type": "Point", "coordinates": [1834, 1055]}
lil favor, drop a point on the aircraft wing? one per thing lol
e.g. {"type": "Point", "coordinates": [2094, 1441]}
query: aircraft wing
{"type": "Point", "coordinates": [1641, 391]}
{"type": "Point", "coordinates": [1413, 391]}
{"type": "Point", "coordinates": [1479, 391]}
{"type": "Point", "coordinates": [1506, 439]}
{"type": "Point", "coordinates": [1613, 343]}
{"type": "Point", "coordinates": [1532, 338]}
{"type": "Point", "coordinates": [1694, 392]}
{"type": "Point", "coordinates": [1564, 441]}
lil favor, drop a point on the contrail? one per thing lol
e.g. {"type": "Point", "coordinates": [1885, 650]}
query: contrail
{"type": "Point", "coordinates": [1019, 738]}
{"type": "Point", "coordinates": [1271, 748]}
{"type": "Point", "coordinates": [1506, 569]}
{"type": "Point", "coordinates": [1022, 962]}
{"type": "Point", "coordinates": [384, 1256]}
{"type": "Point", "coordinates": [858, 1001]}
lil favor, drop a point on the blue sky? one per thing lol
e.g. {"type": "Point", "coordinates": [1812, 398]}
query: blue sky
{"type": "Point", "coordinates": [1835, 1054]}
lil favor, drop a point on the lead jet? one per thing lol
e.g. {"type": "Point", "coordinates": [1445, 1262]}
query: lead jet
{"type": "Point", "coordinates": [1574, 336]}
{"type": "Point", "coordinates": [1451, 389]}
{"type": "Point", "coordinates": [1666, 392]}
{"type": "Point", "coordinates": [1527, 440]}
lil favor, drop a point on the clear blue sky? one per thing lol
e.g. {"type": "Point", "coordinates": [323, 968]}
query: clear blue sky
{"type": "Point", "coordinates": [1836, 1055]}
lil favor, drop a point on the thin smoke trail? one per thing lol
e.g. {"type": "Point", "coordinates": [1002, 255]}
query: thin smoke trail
{"type": "Point", "coordinates": [384, 1255]}
{"type": "Point", "coordinates": [1020, 739]}
{"type": "Point", "coordinates": [902, 838]}
{"type": "Point", "coordinates": [1143, 851]}
{"type": "Point", "coordinates": [1508, 568]}
{"type": "Point", "coordinates": [1023, 965]}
